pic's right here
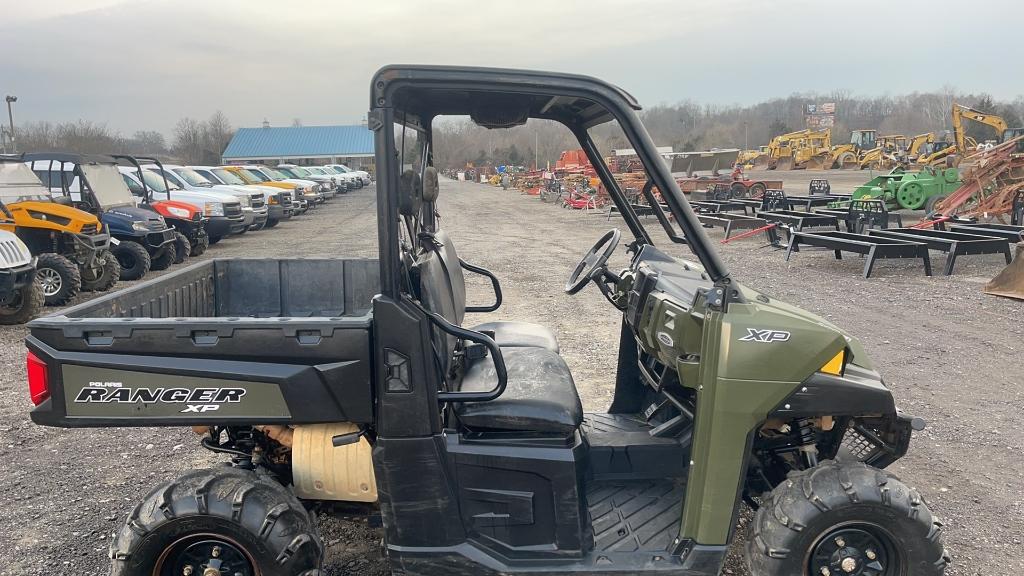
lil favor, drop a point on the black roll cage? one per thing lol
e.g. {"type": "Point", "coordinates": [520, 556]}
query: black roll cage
{"type": "Point", "coordinates": [77, 161]}
{"type": "Point", "coordinates": [134, 161]}
{"type": "Point", "coordinates": [411, 96]}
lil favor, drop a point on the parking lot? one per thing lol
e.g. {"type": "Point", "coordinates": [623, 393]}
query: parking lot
{"type": "Point", "coordinates": [946, 349]}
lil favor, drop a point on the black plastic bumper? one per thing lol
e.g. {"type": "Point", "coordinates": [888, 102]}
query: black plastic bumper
{"type": "Point", "coordinates": [156, 240]}
{"type": "Point", "coordinates": [221, 226]}
{"type": "Point", "coordinates": [278, 212]}
{"type": "Point", "coordinates": [16, 278]}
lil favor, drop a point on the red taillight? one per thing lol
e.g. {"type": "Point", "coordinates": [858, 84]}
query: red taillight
{"type": "Point", "coordinates": [38, 383]}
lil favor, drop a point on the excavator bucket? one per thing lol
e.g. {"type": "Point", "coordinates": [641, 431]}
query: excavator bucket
{"type": "Point", "coordinates": [784, 163]}
{"type": "Point", "coordinates": [819, 162]}
{"type": "Point", "coordinates": [1010, 282]}
{"type": "Point", "coordinates": [760, 162]}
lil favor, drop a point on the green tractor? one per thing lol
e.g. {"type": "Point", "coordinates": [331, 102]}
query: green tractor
{"type": "Point", "coordinates": [910, 190]}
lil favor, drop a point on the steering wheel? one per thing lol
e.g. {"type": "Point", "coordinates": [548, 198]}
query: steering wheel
{"type": "Point", "coordinates": [593, 262]}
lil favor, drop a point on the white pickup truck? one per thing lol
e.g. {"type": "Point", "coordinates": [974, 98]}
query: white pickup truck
{"type": "Point", "coordinates": [363, 175]}
{"type": "Point", "coordinates": [219, 224]}
{"type": "Point", "coordinates": [254, 202]}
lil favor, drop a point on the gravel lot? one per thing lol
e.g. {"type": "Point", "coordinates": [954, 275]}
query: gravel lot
{"type": "Point", "coordinates": [949, 352]}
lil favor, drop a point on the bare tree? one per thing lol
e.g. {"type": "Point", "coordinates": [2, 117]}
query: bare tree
{"type": "Point", "coordinates": [217, 132]}
{"type": "Point", "coordinates": [188, 140]}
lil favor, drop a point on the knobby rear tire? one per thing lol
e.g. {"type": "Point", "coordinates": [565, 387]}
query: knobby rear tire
{"type": "Point", "coordinates": [110, 273]}
{"type": "Point", "coordinates": [133, 258]}
{"type": "Point", "coordinates": [24, 305]}
{"type": "Point", "coordinates": [247, 509]}
{"type": "Point", "coordinates": [69, 277]}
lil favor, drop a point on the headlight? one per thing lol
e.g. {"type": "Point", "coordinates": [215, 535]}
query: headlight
{"type": "Point", "coordinates": [140, 226]}
{"type": "Point", "coordinates": [316, 187]}
{"type": "Point", "coordinates": [179, 212]}
{"type": "Point", "coordinates": [244, 200]}
{"type": "Point", "coordinates": [272, 199]}
{"type": "Point", "coordinates": [214, 209]}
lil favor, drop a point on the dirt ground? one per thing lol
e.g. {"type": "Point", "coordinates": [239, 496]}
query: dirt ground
{"type": "Point", "coordinates": [949, 352]}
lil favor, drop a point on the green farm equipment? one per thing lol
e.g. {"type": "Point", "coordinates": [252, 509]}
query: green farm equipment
{"type": "Point", "coordinates": [910, 190]}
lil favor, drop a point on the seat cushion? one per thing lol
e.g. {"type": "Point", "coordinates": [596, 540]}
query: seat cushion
{"type": "Point", "coordinates": [512, 334]}
{"type": "Point", "coordinates": [540, 397]}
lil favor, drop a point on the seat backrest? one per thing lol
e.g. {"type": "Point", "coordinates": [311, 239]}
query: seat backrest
{"type": "Point", "coordinates": [442, 289]}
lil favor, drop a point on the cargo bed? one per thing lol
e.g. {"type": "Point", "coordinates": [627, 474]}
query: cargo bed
{"type": "Point", "coordinates": [259, 327]}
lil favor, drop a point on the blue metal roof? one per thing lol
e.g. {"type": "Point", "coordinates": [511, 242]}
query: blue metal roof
{"type": "Point", "coordinates": [300, 142]}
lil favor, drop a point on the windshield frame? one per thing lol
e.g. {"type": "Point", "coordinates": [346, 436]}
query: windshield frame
{"type": "Point", "coordinates": [110, 194]}
{"type": "Point", "coordinates": [31, 190]}
{"type": "Point", "coordinates": [412, 97]}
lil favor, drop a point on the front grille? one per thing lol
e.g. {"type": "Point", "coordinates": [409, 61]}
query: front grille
{"type": "Point", "coordinates": [232, 210]}
{"type": "Point", "coordinates": [258, 202]}
{"type": "Point", "coordinates": [286, 198]}
{"type": "Point", "coordinates": [90, 229]}
{"type": "Point", "coordinates": [11, 254]}
{"type": "Point", "coordinates": [156, 224]}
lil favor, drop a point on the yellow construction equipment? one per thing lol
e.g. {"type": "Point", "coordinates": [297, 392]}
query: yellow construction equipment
{"type": "Point", "coordinates": [800, 149]}
{"type": "Point", "coordinates": [1010, 282]}
{"type": "Point", "coordinates": [848, 156]}
{"type": "Point", "coordinates": [887, 154]}
{"type": "Point", "coordinates": [961, 112]}
{"type": "Point", "coordinates": [918, 144]}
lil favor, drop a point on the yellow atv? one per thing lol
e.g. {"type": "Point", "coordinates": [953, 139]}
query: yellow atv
{"type": "Point", "coordinates": [73, 253]}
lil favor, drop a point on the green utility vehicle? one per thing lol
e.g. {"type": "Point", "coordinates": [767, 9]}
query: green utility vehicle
{"type": "Point", "coordinates": [363, 380]}
{"type": "Point", "coordinates": [910, 190]}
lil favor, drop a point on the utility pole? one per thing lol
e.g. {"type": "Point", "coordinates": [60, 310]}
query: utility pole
{"type": "Point", "coordinates": [10, 117]}
{"type": "Point", "coordinates": [536, 151]}
{"type": "Point", "coordinates": [746, 143]}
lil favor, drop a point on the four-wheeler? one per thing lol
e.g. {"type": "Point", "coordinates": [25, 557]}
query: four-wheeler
{"type": "Point", "coordinates": [72, 250]}
{"type": "Point", "coordinates": [368, 383]}
{"type": "Point", "coordinates": [141, 238]}
{"type": "Point", "coordinates": [21, 294]}
{"type": "Point", "coordinates": [910, 190]}
{"type": "Point", "coordinates": [254, 202]}
{"type": "Point", "coordinates": [278, 201]}
{"type": "Point", "coordinates": [152, 192]}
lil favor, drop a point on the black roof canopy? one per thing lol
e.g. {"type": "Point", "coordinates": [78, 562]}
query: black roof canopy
{"type": "Point", "coordinates": [494, 97]}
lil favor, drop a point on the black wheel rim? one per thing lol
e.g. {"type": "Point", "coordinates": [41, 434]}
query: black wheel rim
{"type": "Point", "coordinates": [858, 549]}
{"type": "Point", "coordinates": [205, 554]}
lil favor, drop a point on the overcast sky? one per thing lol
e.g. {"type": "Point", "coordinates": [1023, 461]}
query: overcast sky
{"type": "Point", "coordinates": [142, 64]}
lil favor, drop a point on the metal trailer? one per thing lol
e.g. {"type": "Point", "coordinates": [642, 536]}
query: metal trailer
{"type": "Point", "coordinates": [953, 244]}
{"type": "Point", "coordinates": [873, 247]}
